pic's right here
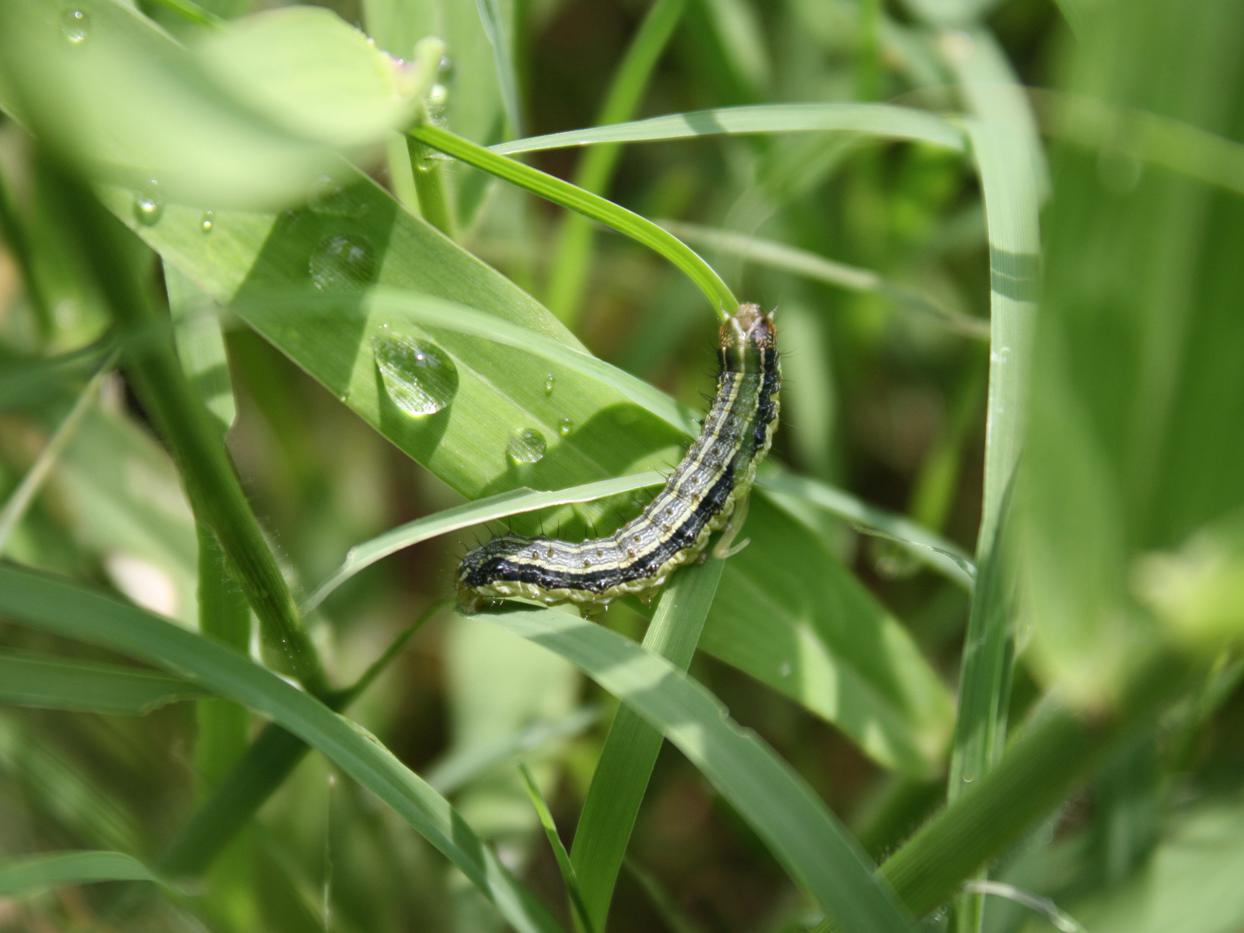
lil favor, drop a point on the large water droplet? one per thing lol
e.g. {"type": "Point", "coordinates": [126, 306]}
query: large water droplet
{"type": "Point", "coordinates": [208, 222]}
{"type": "Point", "coordinates": [565, 427]}
{"type": "Point", "coordinates": [419, 377]}
{"type": "Point", "coordinates": [76, 26]}
{"type": "Point", "coordinates": [526, 445]}
{"type": "Point", "coordinates": [342, 261]}
{"type": "Point", "coordinates": [147, 206]}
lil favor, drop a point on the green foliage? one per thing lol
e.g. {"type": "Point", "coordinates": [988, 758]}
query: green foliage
{"type": "Point", "coordinates": [266, 298]}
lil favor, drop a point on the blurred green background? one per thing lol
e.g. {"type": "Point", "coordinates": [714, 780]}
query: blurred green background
{"type": "Point", "coordinates": [1030, 232]}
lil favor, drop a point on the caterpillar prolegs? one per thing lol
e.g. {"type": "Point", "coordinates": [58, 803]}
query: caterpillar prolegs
{"type": "Point", "coordinates": [702, 493]}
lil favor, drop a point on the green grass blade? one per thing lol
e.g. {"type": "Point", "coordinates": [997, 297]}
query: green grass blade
{"type": "Point", "coordinates": [631, 747]}
{"type": "Point", "coordinates": [776, 255]}
{"type": "Point", "coordinates": [75, 612]}
{"type": "Point", "coordinates": [569, 878]}
{"type": "Point", "coordinates": [572, 250]}
{"type": "Point", "coordinates": [21, 498]}
{"type": "Point", "coordinates": [590, 205]}
{"type": "Point", "coordinates": [883, 120]}
{"type": "Point", "coordinates": [499, 37]}
{"type": "Point", "coordinates": [37, 873]}
{"type": "Point", "coordinates": [492, 508]}
{"type": "Point", "coordinates": [209, 475]}
{"type": "Point", "coordinates": [87, 686]}
{"type": "Point", "coordinates": [466, 764]}
{"type": "Point", "coordinates": [766, 792]}
{"type": "Point", "coordinates": [1013, 177]}
{"type": "Point", "coordinates": [927, 547]}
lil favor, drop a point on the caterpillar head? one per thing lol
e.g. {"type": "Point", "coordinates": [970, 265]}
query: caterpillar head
{"type": "Point", "coordinates": [747, 331]}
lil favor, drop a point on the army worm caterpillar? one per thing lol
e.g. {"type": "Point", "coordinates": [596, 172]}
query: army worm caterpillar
{"type": "Point", "coordinates": [702, 494]}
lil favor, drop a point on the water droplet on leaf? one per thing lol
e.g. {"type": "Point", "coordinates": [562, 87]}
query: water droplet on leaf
{"type": "Point", "coordinates": [76, 26]}
{"type": "Point", "coordinates": [565, 427]}
{"type": "Point", "coordinates": [208, 223]}
{"type": "Point", "coordinates": [147, 206]}
{"type": "Point", "coordinates": [419, 377]}
{"type": "Point", "coordinates": [526, 445]}
{"type": "Point", "coordinates": [342, 262]}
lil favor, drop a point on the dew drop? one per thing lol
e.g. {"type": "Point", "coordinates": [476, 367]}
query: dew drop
{"type": "Point", "coordinates": [147, 206]}
{"type": "Point", "coordinates": [342, 261]}
{"type": "Point", "coordinates": [565, 427]}
{"type": "Point", "coordinates": [526, 445]}
{"type": "Point", "coordinates": [208, 222]}
{"type": "Point", "coordinates": [550, 383]}
{"type": "Point", "coordinates": [419, 377]}
{"type": "Point", "coordinates": [76, 26]}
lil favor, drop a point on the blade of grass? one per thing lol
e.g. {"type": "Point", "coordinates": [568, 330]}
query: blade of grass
{"type": "Point", "coordinates": [572, 250]}
{"type": "Point", "coordinates": [569, 879]}
{"type": "Point", "coordinates": [801, 262]}
{"type": "Point", "coordinates": [492, 508]}
{"type": "Point", "coordinates": [75, 612]}
{"type": "Point", "coordinates": [765, 791]}
{"type": "Point", "coordinates": [21, 498]}
{"type": "Point", "coordinates": [33, 874]}
{"type": "Point", "coordinates": [882, 120]}
{"type": "Point", "coordinates": [590, 205]}
{"type": "Point", "coordinates": [498, 32]}
{"type": "Point", "coordinates": [631, 747]}
{"type": "Point", "coordinates": [211, 481]}
{"type": "Point", "coordinates": [87, 686]}
{"type": "Point", "coordinates": [1013, 176]}
{"type": "Point", "coordinates": [265, 766]}
{"type": "Point", "coordinates": [792, 491]}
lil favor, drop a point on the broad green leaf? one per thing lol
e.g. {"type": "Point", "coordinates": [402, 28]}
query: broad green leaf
{"type": "Point", "coordinates": [75, 612]}
{"type": "Point", "coordinates": [765, 791]}
{"type": "Point", "coordinates": [90, 687]}
{"type": "Point", "coordinates": [33, 874]}
{"type": "Point", "coordinates": [307, 71]}
{"type": "Point", "coordinates": [115, 94]}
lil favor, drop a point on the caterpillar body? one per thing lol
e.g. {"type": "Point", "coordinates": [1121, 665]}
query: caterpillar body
{"type": "Point", "coordinates": [698, 500]}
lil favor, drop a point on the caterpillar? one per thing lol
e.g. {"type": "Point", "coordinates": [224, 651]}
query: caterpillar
{"type": "Point", "coordinates": [703, 492]}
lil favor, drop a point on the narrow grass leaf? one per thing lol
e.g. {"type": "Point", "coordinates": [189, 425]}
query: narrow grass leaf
{"type": "Point", "coordinates": [34, 874]}
{"type": "Point", "coordinates": [497, 29]}
{"type": "Point", "coordinates": [492, 508]}
{"type": "Point", "coordinates": [927, 547]}
{"type": "Point", "coordinates": [629, 754]}
{"type": "Point", "coordinates": [628, 223]}
{"type": "Point", "coordinates": [572, 250]}
{"type": "Point", "coordinates": [75, 612]}
{"type": "Point", "coordinates": [766, 792]}
{"type": "Point", "coordinates": [569, 878]}
{"type": "Point", "coordinates": [881, 120]}
{"type": "Point", "coordinates": [87, 686]}
{"type": "Point", "coordinates": [21, 498]}
{"type": "Point", "coordinates": [817, 268]}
